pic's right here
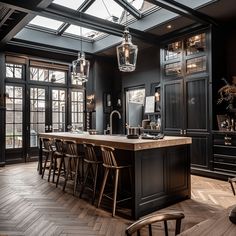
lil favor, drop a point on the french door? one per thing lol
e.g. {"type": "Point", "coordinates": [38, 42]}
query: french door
{"type": "Point", "coordinates": [47, 113]}
{"type": "Point", "coordinates": [39, 109]}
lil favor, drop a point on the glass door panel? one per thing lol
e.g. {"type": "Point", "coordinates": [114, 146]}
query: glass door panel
{"type": "Point", "coordinates": [77, 109]}
{"type": "Point", "coordinates": [14, 117]}
{"type": "Point", "coordinates": [37, 114]}
{"type": "Point", "coordinates": [58, 109]}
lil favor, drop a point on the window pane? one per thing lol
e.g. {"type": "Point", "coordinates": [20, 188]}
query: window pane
{"type": "Point", "coordinates": [73, 4]}
{"type": "Point", "coordinates": [46, 22]}
{"type": "Point", "coordinates": [18, 73]}
{"type": "Point", "coordinates": [9, 71]}
{"type": "Point", "coordinates": [10, 116]}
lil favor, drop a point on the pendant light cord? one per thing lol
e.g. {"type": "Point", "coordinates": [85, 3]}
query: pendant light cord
{"type": "Point", "coordinates": [80, 39]}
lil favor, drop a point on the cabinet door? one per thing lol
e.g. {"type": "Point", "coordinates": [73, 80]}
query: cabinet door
{"type": "Point", "coordinates": [173, 112]}
{"type": "Point", "coordinates": [200, 152]}
{"type": "Point", "coordinates": [196, 95]}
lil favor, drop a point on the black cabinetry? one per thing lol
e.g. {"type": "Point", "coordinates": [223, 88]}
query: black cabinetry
{"type": "Point", "coordinates": [224, 150]}
{"type": "Point", "coordinates": [185, 80]}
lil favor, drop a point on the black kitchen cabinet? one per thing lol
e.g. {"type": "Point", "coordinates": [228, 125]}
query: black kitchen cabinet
{"type": "Point", "coordinates": [224, 153]}
{"type": "Point", "coordinates": [185, 82]}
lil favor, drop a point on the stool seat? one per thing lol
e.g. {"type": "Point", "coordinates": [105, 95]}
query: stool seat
{"type": "Point", "coordinates": [110, 163]}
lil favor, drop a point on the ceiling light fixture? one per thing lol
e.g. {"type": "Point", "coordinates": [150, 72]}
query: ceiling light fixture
{"type": "Point", "coordinates": [127, 52]}
{"type": "Point", "coordinates": [80, 67]}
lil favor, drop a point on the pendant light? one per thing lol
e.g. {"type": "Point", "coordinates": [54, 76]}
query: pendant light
{"type": "Point", "coordinates": [127, 52]}
{"type": "Point", "coordinates": [80, 67]}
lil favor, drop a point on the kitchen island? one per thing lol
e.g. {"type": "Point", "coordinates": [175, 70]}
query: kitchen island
{"type": "Point", "coordinates": [161, 168]}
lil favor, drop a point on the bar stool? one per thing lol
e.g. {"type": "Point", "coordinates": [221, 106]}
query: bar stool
{"type": "Point", "coordinates": [92, 169]}
{"type": "Point", "coordinates": [72, 163]}
{"type": "Point", "coordinates": [110, 163]}
{"type": "Point", "coordinates": [47, 153]}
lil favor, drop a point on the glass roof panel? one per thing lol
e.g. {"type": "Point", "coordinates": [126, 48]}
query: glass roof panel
{"type": "Point", "coordinates": [73, 4]}
{"type": "Point", "coordinates": [106, 9]}
{"type": "Point", "coordinates": [88, 33]}
{"type": "Point", "coordinates": [136, 3]}
{"type": "Point", "coordinates": [46, 22]}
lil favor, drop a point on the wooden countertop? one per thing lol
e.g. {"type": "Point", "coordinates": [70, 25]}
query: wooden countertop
{"type": "Point", "coordinates": [218, 225]}
{"type": "Point", "coordinates": [121, 142]}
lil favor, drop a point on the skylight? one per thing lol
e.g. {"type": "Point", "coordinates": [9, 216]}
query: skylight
{"type": "Point", "coordinates": [106, 9]}
{"type": "Point", "coordinates": [46, 22]}
{"type": "Point", "coordinates": [73, 4]}
{"type": "Point", "coordinates": [88, 33]}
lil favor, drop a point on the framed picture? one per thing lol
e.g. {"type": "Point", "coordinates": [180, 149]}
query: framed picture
{"type": "Point", "coordinates": [149, 104]}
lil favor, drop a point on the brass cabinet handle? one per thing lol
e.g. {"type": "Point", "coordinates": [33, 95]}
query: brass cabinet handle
{"type": "Point", "coordinates": [228, 141]}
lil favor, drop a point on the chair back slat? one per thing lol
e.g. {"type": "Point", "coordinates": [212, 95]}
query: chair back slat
{"type": "Point", "coordinates": [108, 156]}
{"type": "Point", "coordinates": [70, 148]}
{"type": "Point", "coordinates": [47, 144]}
{"type": "Point", "coordinates": [149, 220]}
{"type": "Point", "coordinates": [59, 145]}
{"type": "Point", "coordinates": [89, 152]}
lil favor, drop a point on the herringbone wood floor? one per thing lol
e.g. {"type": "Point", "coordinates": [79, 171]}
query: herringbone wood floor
{"type": "Point", "coordinates": [30, 205]}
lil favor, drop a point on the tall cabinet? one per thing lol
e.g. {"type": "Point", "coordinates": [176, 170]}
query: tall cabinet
{"type": "Point", "coordinates": [186, 86]}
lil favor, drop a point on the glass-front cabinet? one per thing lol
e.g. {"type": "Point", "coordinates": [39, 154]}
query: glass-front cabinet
{"type": "Point", "coordinates": [185, 77]}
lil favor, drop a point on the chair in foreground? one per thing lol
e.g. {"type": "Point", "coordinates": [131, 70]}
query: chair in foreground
{"type": "Point", "coordinates": [232, 182]}
{"type": "Point", "coordinates": [149, 220]}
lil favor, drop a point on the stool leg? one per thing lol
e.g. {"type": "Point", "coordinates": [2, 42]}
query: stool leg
{"type": "Point", "coordinates": [67, 174]}
{"type": "Point", "coordinates": [54, 169]}
{"type": "Point", "coordinates": [59, 171]}
{"type": "Point", "coordinates": [103, 186]}
{"type": "Point", "coordinates": [76, 174]}
{"type": "Point", "coordinates": [50, 167]}
{"type": "Point", "coordinates": [115, 191]}
{"type": "Point", "coordinates": [95, 183]}
{"type": "Point", "coordinates": [85, 181]}
{"type": "Point", "coordinates": [45, 164]}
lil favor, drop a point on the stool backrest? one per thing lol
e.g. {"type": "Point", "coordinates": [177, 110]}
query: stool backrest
{"type": "Point", "coordinates": [89, 152]}
{"type": "Point", "coordinates": [47, 144]}
{"type": "Point", "coordinates": [59, 145]}
{"type": "Point", "coordinates": [108, 156]}
{"type": "Point", "coordinates": [70, 148]}
{"type": "Point", "coordinates": [149, 220]}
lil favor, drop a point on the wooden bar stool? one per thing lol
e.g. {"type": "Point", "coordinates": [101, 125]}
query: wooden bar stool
{"type": "Point", "coordinates": [90, 158]}
{"type": "Point", "coordinates": [72, 163]}
{"type": "Point", "coordinates": [47, 153]}
{"type": "Point", "coordinates": [109, 164]}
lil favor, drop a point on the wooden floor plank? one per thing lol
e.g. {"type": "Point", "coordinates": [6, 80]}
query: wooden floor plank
{"type": "Point", "coordinates": [31, 206]}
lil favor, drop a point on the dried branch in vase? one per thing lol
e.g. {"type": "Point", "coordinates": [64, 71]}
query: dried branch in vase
{"type": "Point", "coordinates": [227, 92]}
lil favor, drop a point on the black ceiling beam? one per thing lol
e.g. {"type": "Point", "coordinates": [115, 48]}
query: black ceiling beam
{"type": "Point", "coordinates": [5, 18]}
{"type": "Point", "coordinates": [129, 8]}
{"type": "Point", "coordinates": [18, 19]}
{"type": "Point", "coordinates": [31, 5]}
{"type": "Point", "coordinates": [184, 10]}
{"type": "Point", "coordinates": [84, 6]}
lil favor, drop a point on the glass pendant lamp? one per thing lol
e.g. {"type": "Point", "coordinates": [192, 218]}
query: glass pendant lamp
{"type": "Point", "coordinates": [127, 52]}
{"type": "Point", "coordinates": [80, 67]}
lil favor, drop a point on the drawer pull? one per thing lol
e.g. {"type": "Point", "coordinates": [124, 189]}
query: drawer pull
{"type": "Point", "coordinates": [228, 141]}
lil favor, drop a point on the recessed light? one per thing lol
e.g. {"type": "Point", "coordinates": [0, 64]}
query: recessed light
{"type": "Point", "coordinates": [169, 26]}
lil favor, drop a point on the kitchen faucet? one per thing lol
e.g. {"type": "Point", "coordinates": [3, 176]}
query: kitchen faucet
{"type": "Point", "coordinates": [112, 113]}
